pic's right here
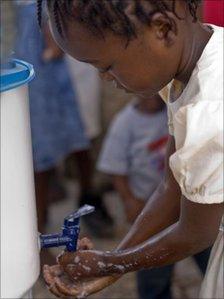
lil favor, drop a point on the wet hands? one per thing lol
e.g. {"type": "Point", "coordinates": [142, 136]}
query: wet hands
{"type": "Point", "coordinates": [83, 264]}
{"type": "Point", "coordinates": [62, 281]}
{"type": "Point", "coordinates": [62, 286]}
{"type": "Point", "coordinates": [85, 244]}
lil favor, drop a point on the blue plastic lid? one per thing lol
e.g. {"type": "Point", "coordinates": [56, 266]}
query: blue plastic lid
{"type": "Point", "coordinates": [15, 73]}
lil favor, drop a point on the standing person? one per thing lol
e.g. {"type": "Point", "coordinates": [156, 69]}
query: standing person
{"type": "Point", "coordinates": [143, 46]}
{"type": "Point", "coordinates": [89, 99]}
{"type": "Point", "coordinates": [56, 125]}
{"type": "Point", "coordinates": [133, 154]}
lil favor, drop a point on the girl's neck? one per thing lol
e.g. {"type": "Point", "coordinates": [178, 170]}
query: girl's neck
{"type": "Point", "coordinates": [193, 48]}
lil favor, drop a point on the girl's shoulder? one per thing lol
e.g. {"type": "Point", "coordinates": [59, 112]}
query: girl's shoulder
{"type": "Point", "coordinates": [206, 82]}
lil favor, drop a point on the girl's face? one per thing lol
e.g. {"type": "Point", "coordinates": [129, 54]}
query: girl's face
{"type": "Point", "coordinates": [143, 66]}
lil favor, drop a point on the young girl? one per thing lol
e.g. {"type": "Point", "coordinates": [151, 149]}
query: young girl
{"type": "Point", "coordinates": [143, 46]}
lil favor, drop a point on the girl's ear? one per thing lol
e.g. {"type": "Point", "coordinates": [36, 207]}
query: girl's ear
{"type": "Point", "coordinates": [164, 27]}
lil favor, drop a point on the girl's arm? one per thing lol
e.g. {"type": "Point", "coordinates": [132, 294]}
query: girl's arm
{"type": "Point", "coordinates": [160, 211]}
{"type": "Point", "coordinates": [195, 231]}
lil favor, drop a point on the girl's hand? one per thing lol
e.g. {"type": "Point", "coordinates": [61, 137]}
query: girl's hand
{"type": "Point", "coordinates": [85, 244]}
{"type": "Point", "coordinates": [83, 264]}
{"type": "Point", "coordinates": [62, 286]}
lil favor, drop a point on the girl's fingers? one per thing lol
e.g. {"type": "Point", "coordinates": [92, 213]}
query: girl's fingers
{"type": "Point", "coordinates": [56, 270]}
{"type": "Point", "coordinates": [50, 281]}
{"type": "Point", "coordinates": [80, 289]}
{"type": "Point", "coordinates": [85, 244]}
{"type": "Point", "coordinates": [67, 289]}
{"type": "Point", "coordinates": [47, 275]}
{"type": "Point", "coordinates": [53, 290]}
{"type": "Point", "coordinates": [59, 283]}
{"type": "Point", "coordinates": [62, 286]}
{"type": "Point", "coordinates": [99, 284]}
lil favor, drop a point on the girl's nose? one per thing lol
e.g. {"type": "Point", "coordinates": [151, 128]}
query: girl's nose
{"type": "Point", "coordinates": [106, 77]}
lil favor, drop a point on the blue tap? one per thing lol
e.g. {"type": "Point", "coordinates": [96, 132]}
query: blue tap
{"type": "Point", "coordinates": [70, 231]}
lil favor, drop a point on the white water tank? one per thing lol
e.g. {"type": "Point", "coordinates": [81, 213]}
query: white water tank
{"type": "Point", "coordinates": [19, 236]}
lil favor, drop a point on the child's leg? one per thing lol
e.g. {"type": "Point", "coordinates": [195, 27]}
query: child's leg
{"type": "Point", "coordinates": [202, 259]}
{"type": "Point", "coordinates": [100, 222]}
{"type": "Point", "coordinates": [42, 180]}
{"type": "Point", "coordinates": [155, 283]}
{"type": "Point", "coordinates": [57, 191]}
{"type": "Point", "coordinates": [85, 170]}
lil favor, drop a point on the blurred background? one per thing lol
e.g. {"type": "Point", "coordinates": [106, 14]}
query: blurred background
{"type": "Point", "coordinates": [71, 111]}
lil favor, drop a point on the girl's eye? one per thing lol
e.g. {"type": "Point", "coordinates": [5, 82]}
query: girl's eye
{"type": "Point", "coordinates": [104, 70]}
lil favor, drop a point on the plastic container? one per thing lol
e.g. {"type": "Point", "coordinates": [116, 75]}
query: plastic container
{"type": "Point", "coordinates": [19, 236]}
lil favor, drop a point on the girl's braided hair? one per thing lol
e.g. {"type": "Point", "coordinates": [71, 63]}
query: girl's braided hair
{"type": "Point", "coordinates": [99, 15]}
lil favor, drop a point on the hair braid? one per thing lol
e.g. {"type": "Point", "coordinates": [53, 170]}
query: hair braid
{"type": "Point", "coordinates": [39, 11]}
{"type": "Point", "coordinates": [193, 6]}
{"type": "Point", "coordinates": [100, 15]}
{"type": "Point", "coordinates": [56, 13]}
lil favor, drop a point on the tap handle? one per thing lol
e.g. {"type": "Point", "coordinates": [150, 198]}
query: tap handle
{"type": "Point", "coordinates": [70, 231]}
{"type": "Point", "coordinates": [84, 210]}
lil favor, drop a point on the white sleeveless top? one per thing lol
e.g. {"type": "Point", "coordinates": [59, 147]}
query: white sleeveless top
{"type": "Point", "coordinates": [196, 122]}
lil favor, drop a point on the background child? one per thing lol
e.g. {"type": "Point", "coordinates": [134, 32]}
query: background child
{"type": "Point", "coordinates": [133, 153]}
{"type": "Point", "coordinates": [56, 124]}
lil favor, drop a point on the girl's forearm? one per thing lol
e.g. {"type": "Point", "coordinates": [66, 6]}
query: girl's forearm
{"type": "Point", "coordinates": [188, 236]}
{"type": "Point", "coordinates": [161, 211]}
{"type": "Point", "coordinates": [155, 252]}
{"type": "Point", "coordinates": [166, 248]}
